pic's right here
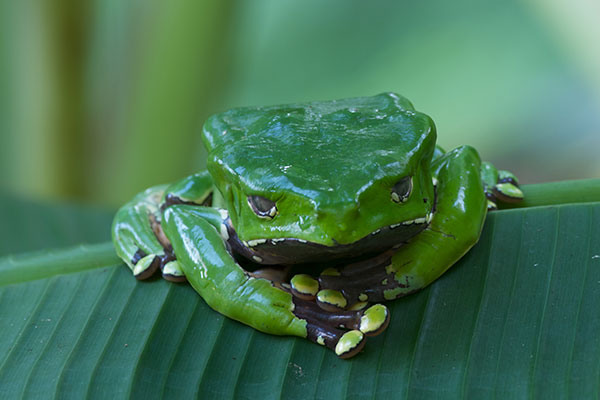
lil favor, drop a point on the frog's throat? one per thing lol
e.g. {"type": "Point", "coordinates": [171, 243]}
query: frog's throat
{"type": "Point", "coordinates": [297, 251]}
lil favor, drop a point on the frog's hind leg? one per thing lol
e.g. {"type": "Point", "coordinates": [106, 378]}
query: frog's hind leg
{"type": "Point", "coordinates": [259, 299]}
{"type": "Point", "coordinates": [137, 231]}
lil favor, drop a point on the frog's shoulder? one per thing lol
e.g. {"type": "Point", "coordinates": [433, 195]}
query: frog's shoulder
{"type": "Point", "coordinates": [255, 122]}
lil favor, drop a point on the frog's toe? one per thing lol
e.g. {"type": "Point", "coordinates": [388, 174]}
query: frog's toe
{"type": "Point", "coordinates": [508, 192]}
{"type": "Point", "coordinates": [304, 286]}
{"type": "Point", "coordinates": [350, 344]}
{"type": "Point", "coordinates": [171, 271]}
{"type": "Point", "coordinates": [331, 300]}
{"type": "Point", "coordinates": [374, 320]}
{"type": "Point", "coordinates": [345, 344]}
{"type": "Point", "coordinates": [145, 266]}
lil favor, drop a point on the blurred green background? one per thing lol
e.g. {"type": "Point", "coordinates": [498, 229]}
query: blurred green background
{"type": "Point", "coordinates": [102, 98]}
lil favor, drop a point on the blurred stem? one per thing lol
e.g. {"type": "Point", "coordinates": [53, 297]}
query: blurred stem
{"type": "Point", "coordinates": [176, 79]}
{"type": "Point", "coordinates": [553, 193]}
{"type": "Point", "coordinates": [68, 21]}
{"type": "Point", "coordinates": [576, 31]}
{"type": "Point", "coordinates": [44, 264]}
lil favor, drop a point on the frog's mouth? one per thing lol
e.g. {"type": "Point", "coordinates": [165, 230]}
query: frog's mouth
{"type": "Point", "coordinates": [289, 251]}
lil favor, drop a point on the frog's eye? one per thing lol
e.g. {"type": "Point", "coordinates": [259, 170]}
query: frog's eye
{"type": "Point", "coordinates": [402, 189]}
{"type": "Point", "coordinates": [262, 207]}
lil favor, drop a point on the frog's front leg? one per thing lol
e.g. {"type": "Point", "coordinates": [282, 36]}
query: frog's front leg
{"type": "Point", "coordinates": [198, 236]}
{"type": "Point", "coordinates": [455, 227]}
{"type": "Point", "coordinates": [137, 233]}
{"type": "Point", "coordinates": [499, 185]}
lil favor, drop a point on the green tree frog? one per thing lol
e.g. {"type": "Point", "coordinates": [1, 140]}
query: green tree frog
{"type": "Point", "coordinates": [310, 215]}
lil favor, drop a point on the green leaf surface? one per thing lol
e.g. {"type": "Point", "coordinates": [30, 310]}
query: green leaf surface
{"type": "Point", "coordinates": [516, 317]}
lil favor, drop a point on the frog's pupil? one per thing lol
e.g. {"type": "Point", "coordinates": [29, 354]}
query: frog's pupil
{"type": "Point", "coordinates": [262, 206]}
{"type": "Point", "coordinates": [402, 189]}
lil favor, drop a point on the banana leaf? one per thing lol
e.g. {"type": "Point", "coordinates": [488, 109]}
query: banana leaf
{"type": "Point", "coordinates": [517, 317]}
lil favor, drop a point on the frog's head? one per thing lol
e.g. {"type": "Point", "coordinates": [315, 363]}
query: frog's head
{"type": "Point", "coordinates": [344, 178]}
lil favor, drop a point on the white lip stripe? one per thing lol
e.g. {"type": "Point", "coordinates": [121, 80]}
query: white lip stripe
{"type": "Point", "coordinates": [422, 220]}
{"type": "Point", "coordinates": [254, 242]}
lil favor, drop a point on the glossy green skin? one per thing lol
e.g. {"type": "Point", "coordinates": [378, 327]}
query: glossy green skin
{"type": "Point", "coordinates": [260, 154]}
{"type": "Point", "coordinates": [330, 167]}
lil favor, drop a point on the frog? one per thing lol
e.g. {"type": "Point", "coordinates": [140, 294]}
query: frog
{"type": "Point", "coordinates": [309, 216]}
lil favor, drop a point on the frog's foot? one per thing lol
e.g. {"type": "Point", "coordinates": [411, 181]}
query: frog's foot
{"type": "Point", "coordinates": [327, 321]}
{"type": "Point", "coordinates": [343, 331]}
{"type": "Point", "coordinates": [140, 241]}
{"type": "Point", "coordinates": [499, 185]}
